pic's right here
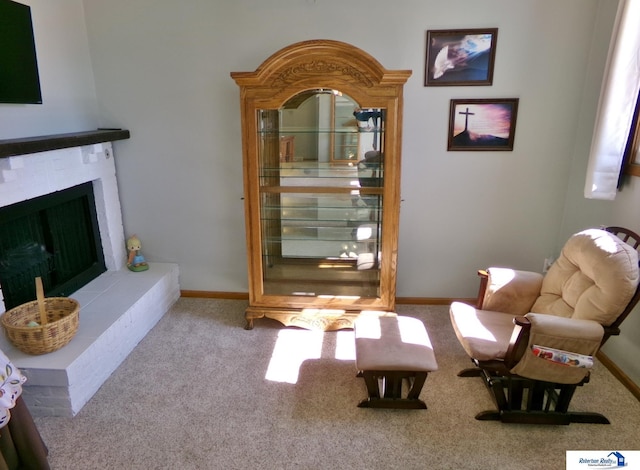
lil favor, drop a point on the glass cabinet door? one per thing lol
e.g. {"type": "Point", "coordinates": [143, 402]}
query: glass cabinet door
{"type": "Point", "coordinates": [321, 173]}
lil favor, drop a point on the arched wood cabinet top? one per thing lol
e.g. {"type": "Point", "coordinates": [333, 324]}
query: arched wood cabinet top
{"type": "Point", "coordinates": [321, 63]}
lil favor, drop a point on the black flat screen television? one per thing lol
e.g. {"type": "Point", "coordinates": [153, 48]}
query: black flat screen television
{"type": "Point", "coordinates": [19, 79]}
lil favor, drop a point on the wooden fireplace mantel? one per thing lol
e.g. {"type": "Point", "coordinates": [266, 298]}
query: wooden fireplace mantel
{"type": "Point", "coordinates": [44, 143]}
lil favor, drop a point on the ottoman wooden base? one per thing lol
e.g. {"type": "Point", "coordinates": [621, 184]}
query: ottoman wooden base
{"type": "Point", "coordinates": [385, 389]}
{"type": "Point", "coordinates": [391, 351]}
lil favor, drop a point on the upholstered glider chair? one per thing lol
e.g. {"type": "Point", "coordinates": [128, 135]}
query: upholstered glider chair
{"type": "Point", "coordinates": [532, 338]}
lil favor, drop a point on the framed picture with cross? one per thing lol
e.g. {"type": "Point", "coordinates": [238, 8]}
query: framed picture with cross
{"type": "Point", "coordinates": [482, 124]}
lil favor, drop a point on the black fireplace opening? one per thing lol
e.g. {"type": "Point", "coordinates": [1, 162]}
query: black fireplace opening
{"type": "Point", "coordinates": [55, 237]}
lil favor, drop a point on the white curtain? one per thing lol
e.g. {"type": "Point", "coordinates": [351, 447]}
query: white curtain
{"type": "Point", "coordinates": [617, 103]}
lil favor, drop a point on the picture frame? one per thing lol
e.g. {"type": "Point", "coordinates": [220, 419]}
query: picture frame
{"type": "Point", "coordinates": [458, 57]}
{"type": "Point", "coordinates": [482, 124]}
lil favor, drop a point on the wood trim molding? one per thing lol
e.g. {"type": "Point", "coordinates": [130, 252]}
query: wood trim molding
{"type": "Point", "coordinates": [619, 374]}
{"type": "Point", "coordinates": [203, 294]}
{"type": "Point", "coordinates": [633, 169]}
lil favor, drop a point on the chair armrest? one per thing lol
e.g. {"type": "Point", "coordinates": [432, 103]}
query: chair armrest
{"type": "Point", "coordinates": [482, 289]}
{"type": "Point", "coordinates": [518, 342]}
{"type": "Point", "coordinates": [574, 335]}
{"type": "Point", "coordinates": [563, 329]}
{"type": "Point", "coordinates": [509, 290]}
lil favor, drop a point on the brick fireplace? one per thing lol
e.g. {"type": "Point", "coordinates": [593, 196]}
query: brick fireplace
{"type": "Point", "coordinates": [119, 307]}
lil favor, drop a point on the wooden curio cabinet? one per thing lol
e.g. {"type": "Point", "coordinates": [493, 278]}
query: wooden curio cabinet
{"type": "Point", "coordinates": [321, 137]}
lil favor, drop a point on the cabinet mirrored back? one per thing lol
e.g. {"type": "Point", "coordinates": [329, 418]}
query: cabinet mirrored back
{"type": "Point", "coordinates": [321, 177]}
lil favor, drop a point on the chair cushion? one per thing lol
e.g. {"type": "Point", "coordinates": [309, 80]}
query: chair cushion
{"type": "Point", "coordinates": [511, 290]}
{"type": "Point", "coordinates": [594, 278]}
{"type": "Point", "coordinates": [484, 335]}
{"type": "Point", "coordinates": [393, 343]}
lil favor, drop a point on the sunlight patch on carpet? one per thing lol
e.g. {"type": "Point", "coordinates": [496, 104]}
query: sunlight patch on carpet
{"type": "Point", "coordinates": [293, 347]}
{"type": "Point", "coordinates": [345, 346]}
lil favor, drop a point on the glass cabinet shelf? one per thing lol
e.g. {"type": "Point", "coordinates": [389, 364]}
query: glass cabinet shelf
{"type": "Point", "coordinates": [321, 208]}
{"type": "Point", "coordinates": [321, 225]}
{"type": "Point", "coordinates": [355, 176]}
{"type": "Point", "coordinates": [319, 130]}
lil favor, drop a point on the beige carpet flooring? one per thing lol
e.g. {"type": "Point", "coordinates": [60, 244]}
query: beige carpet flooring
{"type": "Point", "coordinates": [200, 392]}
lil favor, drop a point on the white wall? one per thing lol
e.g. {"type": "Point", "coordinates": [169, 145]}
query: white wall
{"type": "Point", "coordinates": [162, 71]}
{"type": "Point", "coordinates": [625, 349]}
{"type": "Point", "coordinates": [162, 68]}
{"type": "Point", "coordinates": [66, 77]}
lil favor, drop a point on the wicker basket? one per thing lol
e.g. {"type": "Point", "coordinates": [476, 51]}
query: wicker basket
{"type": "Point", "coordinates": [56, 318]}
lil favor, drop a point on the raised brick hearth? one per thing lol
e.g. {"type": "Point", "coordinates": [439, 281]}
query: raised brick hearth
{"type": "Point", "coordinates": [119, 307]}
{"type": "Point", "coordinates": [117, 310]}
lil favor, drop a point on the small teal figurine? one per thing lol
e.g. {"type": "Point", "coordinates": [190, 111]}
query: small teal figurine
{"type": "Point", "coordinates": [135, 261]}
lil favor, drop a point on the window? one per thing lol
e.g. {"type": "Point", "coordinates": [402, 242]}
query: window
{"type": "Point", "coordinates": [632, 150]}
{"type": "Point", "coordinates": [616, 108]}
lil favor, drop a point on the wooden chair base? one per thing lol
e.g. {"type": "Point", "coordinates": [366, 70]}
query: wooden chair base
{"type": "Point", "coordinates": [393, 403]}
{"type": "Point", "coordinates": [522, 400]}
{"type": "Point", "coordinates": [385, 389]}
{"type": "Point", "coordinates": [541, 417]}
